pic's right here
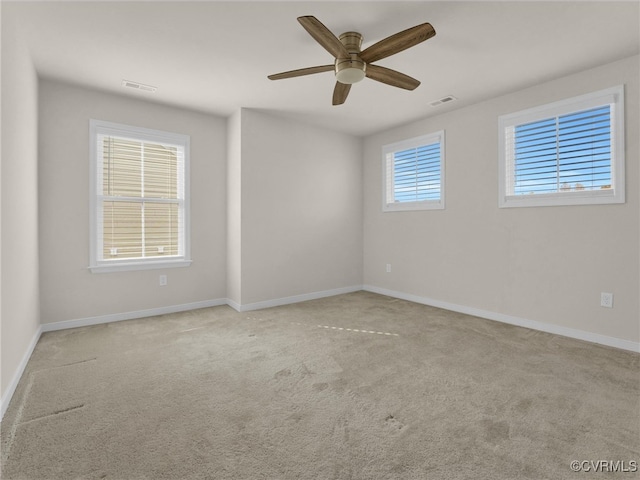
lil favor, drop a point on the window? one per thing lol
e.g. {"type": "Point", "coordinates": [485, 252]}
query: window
{"type": "Point", "coordinates": [139, 198]}
{"type": "Point", "coordinates": [565, 153]}
{"type": "Point", "coordinates": [413, 173]}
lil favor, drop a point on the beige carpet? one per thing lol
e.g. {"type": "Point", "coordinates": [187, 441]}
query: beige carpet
{"type": "Point", "coordinates": [357, 386]}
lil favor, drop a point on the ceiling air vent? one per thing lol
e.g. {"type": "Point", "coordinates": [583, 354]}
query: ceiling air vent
{"type": "Point", "coordinates": [138, 86]}
{"type": "Point", "coordinates": [448, 98]}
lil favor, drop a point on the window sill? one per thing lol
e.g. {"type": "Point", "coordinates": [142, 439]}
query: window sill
{"type": "Point", "coordinates": [563, 199]}
{"type": "Point", "coordinates": [413, 206]}
{"type": "Point", "coordinates": [131, 266]}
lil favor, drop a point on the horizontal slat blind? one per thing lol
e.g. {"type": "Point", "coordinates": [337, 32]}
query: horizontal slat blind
{"type": "Point", "coordinates": [142, 199]}
{"type": "Point", "coordinates": [562, 154]}
{"type": "Point", "coordinates": [416, 174]}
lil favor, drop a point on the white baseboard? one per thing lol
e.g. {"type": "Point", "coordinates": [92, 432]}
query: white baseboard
{"type": "Point", "coordinates": [293, 299]}
{"type": "Point", "coordinates": [116, 317]}
{"type": "Point", "coordinates": [6, 398]}
{"type": "Point", "coordinates": [235, 305]}
{"type": "Point", "coordinates": [520, 322]}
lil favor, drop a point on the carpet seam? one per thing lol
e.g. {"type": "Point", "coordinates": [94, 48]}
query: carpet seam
{"type": "Point", "coordinates": [58, 412]}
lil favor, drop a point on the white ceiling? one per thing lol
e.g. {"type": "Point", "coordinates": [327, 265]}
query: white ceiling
{"type": "Point", "coordinates": [215, 56]}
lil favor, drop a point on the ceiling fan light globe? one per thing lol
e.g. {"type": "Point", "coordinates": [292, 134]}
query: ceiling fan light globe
{"type": "Point", "coordinates": [350, 71]}
{"type": "Point", "coordinates": [350, 75]}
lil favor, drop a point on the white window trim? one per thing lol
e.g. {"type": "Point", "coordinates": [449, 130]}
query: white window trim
{"type": "Point", "coordinates": [97, 127]}
{"type": "Point", "coordinates": [386, 181]}
{"type": "Point", "coordinates": [613, 96]}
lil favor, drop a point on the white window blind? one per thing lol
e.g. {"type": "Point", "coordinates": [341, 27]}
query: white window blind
{"type": "Point", "coordinates": [566, 153]}
{"type": "Point", "coordinates": [140, 216]}
{"type": "Point", "coordinates": [562, 154]}
{"type": "Point", "coordinates": [413, 173]}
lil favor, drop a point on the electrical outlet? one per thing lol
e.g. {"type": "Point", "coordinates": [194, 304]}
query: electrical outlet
{"type": "Point", "coordinates": [163, 280]}
{"type": "Point", "coordinates": [388, 268]}
{"type": "Point", "coordinates": [606, 300]}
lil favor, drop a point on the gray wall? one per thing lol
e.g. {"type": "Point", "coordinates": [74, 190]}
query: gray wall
{"type": "Point", "coordinates": [19, 282]}
{"type": "Point", "coordinates": [301, 209]}
{"type": "Point", "coordinates": [546, 264]}
{"type": "Point", "coordinates": [69, 290]}
{"type": "Point", "coordinates": [276, 208]}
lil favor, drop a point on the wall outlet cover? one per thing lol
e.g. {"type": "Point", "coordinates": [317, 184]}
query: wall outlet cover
{"type": "Point", "coordinates": [606, 300]}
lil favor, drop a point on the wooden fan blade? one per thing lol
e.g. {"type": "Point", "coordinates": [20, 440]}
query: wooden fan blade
{"type": "Point", "coordinates": [300, 72]}
{"type": "Point", "coordinates": [391, 77]}
{"type": "Point", "coordinates": [398, 42]}
{"type": "Point", "coordinates": [323, 36]}
{"type": "Point", "coordinates": [340, 93]}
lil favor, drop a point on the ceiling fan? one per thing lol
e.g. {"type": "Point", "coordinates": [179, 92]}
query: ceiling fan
{"type": "Point", "coordinates": [352, 65]}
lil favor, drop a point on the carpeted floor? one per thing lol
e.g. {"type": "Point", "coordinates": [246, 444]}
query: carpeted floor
{"type": "Point", "coordinates": [357, 386]}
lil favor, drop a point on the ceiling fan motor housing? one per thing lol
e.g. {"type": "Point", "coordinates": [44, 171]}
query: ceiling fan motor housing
{"type": "Point", "coordinates": [351, 70]}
